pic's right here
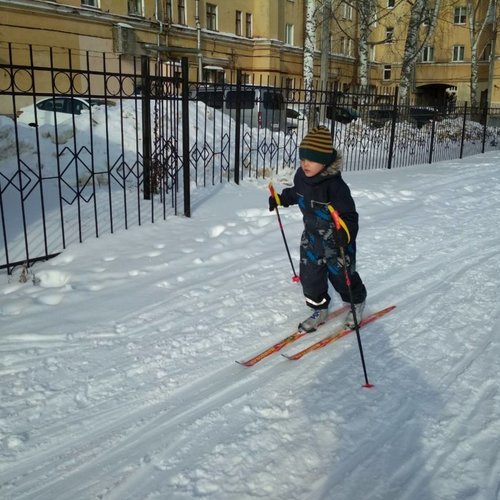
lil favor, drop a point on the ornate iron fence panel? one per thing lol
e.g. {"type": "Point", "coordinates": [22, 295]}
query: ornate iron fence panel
{"type": "Point", "coordinates": [95, 143]}
{"type": "Point", "coordinates": [76, 134]}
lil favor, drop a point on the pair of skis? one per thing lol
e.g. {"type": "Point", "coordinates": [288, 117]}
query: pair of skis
{"type": "Point", "coordinates": [332, 337]}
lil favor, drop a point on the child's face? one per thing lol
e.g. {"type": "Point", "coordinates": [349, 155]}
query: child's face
{"type": "Point", "coordinates": [311, 168]}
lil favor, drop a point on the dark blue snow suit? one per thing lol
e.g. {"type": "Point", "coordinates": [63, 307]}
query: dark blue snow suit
{"type": "Point", "coordinates": [319, 254]}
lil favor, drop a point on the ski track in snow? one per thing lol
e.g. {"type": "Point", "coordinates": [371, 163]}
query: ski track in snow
{"type": "Point", "coordinates": [148, 403]}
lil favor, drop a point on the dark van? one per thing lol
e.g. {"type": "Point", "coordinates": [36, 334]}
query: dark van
{"type": "Point", "coordinates": [261, 106]}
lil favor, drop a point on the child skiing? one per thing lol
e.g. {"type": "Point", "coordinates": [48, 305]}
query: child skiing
{"type": "Point", "coordinates": [318, 184]}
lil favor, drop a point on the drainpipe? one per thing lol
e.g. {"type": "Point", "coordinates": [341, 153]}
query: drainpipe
{"type": "Point", "coordinates": [159, 20]}
{"type": "Point", "coordinates": [493, 53]}
{"type": "Point", "coordinates": [198, 39]}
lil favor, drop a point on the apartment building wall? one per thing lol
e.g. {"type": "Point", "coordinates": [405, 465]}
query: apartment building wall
{"type": "Point", "coordinates": [448, 71]}
{"type": "Point", "coordinates": [70, 30]}
{"type": "Point", "coordinates": [261, 50]}
{"type": "Point", "coordinates": [265, 51]}
{"type": "Point", "coordinates": [272, 49]}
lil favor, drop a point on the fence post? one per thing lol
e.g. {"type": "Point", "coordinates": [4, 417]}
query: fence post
{"type": "Point", "coordinates": [185, 137]}
{"type": "Point", "coordinates": [463, 132]}
{"type": "Point", "coordinates": [485, 123]}
{"type": "Point", "coordinates": [333, 107]}
{"type": "Point", "coordinates": [237, 134]}
{"type": "Point", "coordinates": [146, 126]}
{"type": "Point", "coordinates": [433, 133]}
{"type": "Point", "coordinates": [393, 128]}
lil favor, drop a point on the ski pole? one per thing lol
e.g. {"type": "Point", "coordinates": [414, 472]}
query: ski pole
{"type": "Point", "coordinates": [339, 223]}
{"type": "Point", "coordinates": [295, 277]}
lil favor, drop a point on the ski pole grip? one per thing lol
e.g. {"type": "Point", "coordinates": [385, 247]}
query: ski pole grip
{"type": "Point", "coordinates": [274, 194]}
{"type": "Point", "coordinates": [335, 217]}
{"type": "Point", "coordinates": [339, 223]}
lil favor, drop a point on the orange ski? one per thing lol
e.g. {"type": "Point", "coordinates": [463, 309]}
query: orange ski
{"type": "Point", "coordinates": [338, 334]}
{"type": "Point", "coordinates": [287, 340]}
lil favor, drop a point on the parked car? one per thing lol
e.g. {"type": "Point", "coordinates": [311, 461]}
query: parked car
{"type": "Point", "coordinates": [423, 114]}
{"type": "Point", "coordinates": [293, 118]}
{"type": "Point", "coordinates": [213, 97]}
{"type": "Point", "coordinates": [261, 106]}
{"type": "Point", "coordinates": [419, 115]}
{"type": "Point", "coordinates": [378, 117]}
{"type": "Point", "coordinates": [341, 114]}
{"type": "Point", "coordinates": [60, 109]}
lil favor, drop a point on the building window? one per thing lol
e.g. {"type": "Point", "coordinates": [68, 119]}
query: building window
{"type": "Point", "coordinates": [345, 46]}
{"type": "Point", "coordinates": [248, 25]}
{"type": "Point", "coordinates": [168, 11]}
{"type": "Point", "coordinates": [485, 55]}
{"type": "Point", "coordinates": [389, 35]}
{"type": "Point", "coordinates": [289, 31]}
{"type": "Point", "coordinates": [90, 3]}
{"type": "Point", "coordinates": [135, 8]}
{"type": "Point", "coordinates": [427, 54]}
{"type": "Point", "coordinates": [181, 11]}
{"type": "Point", "coordinates": [458, 53]}
{"type": "Point", "coordinates": [214, 76]}
{"type": "Point", "coordinates": [460, 15]}
{"type": "Point", "coordinates": [211, 17]}
{"type": "Point", "coordinates": [346, 11]}
{"type": "Point", "coordinates": [387, 72]}
{"type": "Point", "coordinates": [391, 4]}
{"type": "Point", "coordinates": [237, 29]}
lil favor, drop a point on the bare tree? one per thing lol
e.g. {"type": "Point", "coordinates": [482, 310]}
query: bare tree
{"type": "Point", "coordinates": [494, 31]}
{"type": "Point", "coordinates": [416, 40]}
{"type": "Point", "coordinates": [367, 17]}
{"type": "Point", "coordinates": [324, 22]}
{"type": "Point", "coordinates": [477, 27]}
{"type": "Point", "coordinates": [369, 14]}
{"type": "Point", "coordinates": [326, 14]}
{"type": "Point", "coordinates": [309, 47]}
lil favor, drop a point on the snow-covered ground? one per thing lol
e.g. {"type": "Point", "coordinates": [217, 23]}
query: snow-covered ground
{"type": "Point", "coordinates": [117, 358]}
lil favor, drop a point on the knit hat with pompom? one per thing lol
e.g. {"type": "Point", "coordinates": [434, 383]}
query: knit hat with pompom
{"type": "Point", "coordinates": [317, 146]}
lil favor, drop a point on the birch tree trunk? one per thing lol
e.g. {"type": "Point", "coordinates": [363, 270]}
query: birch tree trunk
{"type": "Point", "coordinates": [366, 16]}
{"type": "Point", "coordinates": [309, 46]}
{"type": "Point", "coordinates": [414, 43]}
{"type": "Point", "coordinates": [326, 14]}
{"type": "Point", "coordinates": [476, 29]}
{"type": "Point", "coordinates": [493, 51]}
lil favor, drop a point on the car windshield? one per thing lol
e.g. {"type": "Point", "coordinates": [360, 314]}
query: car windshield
{"type": "Point", "coordinates": [273, 100]}
{"type": "Point", "coordinates": [55, 104]}
{"type": "Point", "coordinates": [213, 99]}
{"type": "Point", "coordinates": [63, 105]}
{"type": "Point", "coordinates": [246, 99]}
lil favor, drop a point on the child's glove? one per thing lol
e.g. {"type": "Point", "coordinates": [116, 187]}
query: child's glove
{"type": "Point", "coordinates": [277, 201]}
{"type": "Point", "coordinates": [273, 203]}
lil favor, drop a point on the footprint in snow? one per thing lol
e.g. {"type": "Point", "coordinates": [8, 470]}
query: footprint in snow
{"type": "Point", "coordinates": [51, 279]}
{"type": "Point", "coordinates": [50, 299]}
{"type": "Point", "coordinates": [216, 231]}
{"type": "Point", "coordinates": [252, 212]}
{"type": "Point", "coordinates": [15, 441]}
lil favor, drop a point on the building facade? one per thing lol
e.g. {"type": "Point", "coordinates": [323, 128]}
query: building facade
{"type": "Point", "coordinates": [262, 38]}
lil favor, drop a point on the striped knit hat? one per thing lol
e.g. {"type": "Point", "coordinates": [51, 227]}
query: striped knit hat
{"type": "Point", "coordinates": [317, 146]}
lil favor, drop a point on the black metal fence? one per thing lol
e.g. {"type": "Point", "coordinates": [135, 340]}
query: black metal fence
{"type": "Point", "coordinates": [93, 143]}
